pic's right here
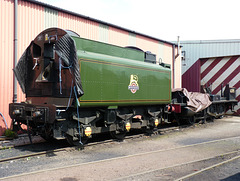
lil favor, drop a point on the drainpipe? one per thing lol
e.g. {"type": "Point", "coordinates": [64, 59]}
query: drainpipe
{"type": "Point", "coordinates": [173, 66]}
{"type": "Point", "coordinates": [174, 58]}
{"type": "Point", "coordinates": [15, 49]}
{"type": "Point", "coordinates": [178, 47]}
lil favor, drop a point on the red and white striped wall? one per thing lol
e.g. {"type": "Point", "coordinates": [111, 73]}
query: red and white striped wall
{"type": "Point", "coordinates": [214, 72]}
{"type": "Point", "coordinates": [221, 71]}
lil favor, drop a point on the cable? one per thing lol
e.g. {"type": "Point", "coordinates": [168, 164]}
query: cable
{"type": "Point", "coordinates": [70, 96]}
{"type": "Point", "coordinates": [60, 72]}
{"type": "Point", "coordinates": [60, 82]}
{"type": "Point", "coordinates": [60, 75]}
{"type": "Point", "coordinates": [78, 104]}
{"type": "Point", "coordinates": [4, 120]}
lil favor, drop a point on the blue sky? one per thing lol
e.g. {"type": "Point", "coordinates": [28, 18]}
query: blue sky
{"type": "Point", "coordinates": [164, 19]}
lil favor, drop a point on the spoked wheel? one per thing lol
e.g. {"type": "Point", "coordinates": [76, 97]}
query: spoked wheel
{"type": "Point", "coordinates": [76, 142]}
{"type": "Point", "coordinates": [119, 135]}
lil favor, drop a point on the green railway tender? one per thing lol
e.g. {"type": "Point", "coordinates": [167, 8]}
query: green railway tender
{"type": "Point", "coordinates": [112, 76]}
{"type": "Point", "coordinates": [76, 88]}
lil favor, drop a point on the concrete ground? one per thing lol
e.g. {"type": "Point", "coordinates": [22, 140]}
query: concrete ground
{"type": "Point", "coordinates": [165, 157]}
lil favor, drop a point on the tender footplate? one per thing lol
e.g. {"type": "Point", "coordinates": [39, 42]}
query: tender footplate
{"type": "Point", "coordinates": [37, 113]}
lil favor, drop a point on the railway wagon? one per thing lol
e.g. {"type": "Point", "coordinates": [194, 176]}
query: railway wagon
{"type": "Point", "coordinates": [76, 88]}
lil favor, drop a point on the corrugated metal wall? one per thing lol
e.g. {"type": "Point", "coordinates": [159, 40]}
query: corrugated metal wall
{"type": "Point", "coordinates": [132, 39]}
{"type": "Point", "coordinates": [147, 44]}
{"type": "Point", "coordinates": [191, 78]}
{"type": "Point", "coordinates": [118, 37]}
{"type": "Point", "coordinates": [195, 50]}
{"type": "Point", "coordinates": [34, 18]}
{"type": "Point", "coordinates": [103, 33]}
{"type": "Point", "coordinates": [207, 48]}
{"type": "Point", "coordinates": [30, 24]}
{"type": "Point", "coordinates": [6, 58]}
{"type": "Point", "coordinates": [160, 52]}
{"type": "Point", "coordinates": [50, 18]}
{"type": "Point", "coordinates": [85, 28]}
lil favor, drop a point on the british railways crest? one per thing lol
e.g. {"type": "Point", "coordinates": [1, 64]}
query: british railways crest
{"type": "Point", "coordinates": [133, 85]}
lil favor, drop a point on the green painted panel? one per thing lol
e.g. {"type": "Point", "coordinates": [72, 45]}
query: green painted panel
{"type": "Point", "coordinates": [111, 77]}
{"type": "Point", "coordinates": [107, 49]}
{"type": "Point", "coordinates": [106, 81]}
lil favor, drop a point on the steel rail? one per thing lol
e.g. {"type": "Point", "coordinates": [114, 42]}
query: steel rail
{"type": "Point", "coordinates": [31, 155]}
{"type": "Point", "coordinates": [141, 135]}
{"type": "Point", "coordinates": [146, 153]}
{"type": "Point", "coordinates": [191, 162]}
{"type": "Point", "coordinates": [209, 168]}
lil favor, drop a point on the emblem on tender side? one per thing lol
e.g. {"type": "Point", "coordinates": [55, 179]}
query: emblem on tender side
{"type": "Point", "coordinates": [133, 85]}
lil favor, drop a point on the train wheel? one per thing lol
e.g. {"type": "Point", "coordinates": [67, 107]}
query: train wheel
{"type": "Point", "coordinates": [191, 120]}
{"type": "Point", "coordinates": [119, 135]}
{"type": "Point", "coordinates": [149, 131]}
{"type": "Point", "coordinates": [72, 142]}
{"type": "Point", "coordinates": [48, 135]}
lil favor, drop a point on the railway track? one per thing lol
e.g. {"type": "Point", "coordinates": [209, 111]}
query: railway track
{"type": "Point", "coordinates": [37, 140]}
{"type": "Point", "coordinates": [159, 169]}
{"type": "Point", "coordinates": [200, 166]}
{"type": "Point", "coordinates": [94, 143]}
{"type": "Point", "coordinates": [192, 175]}
{"type": "Point", "coordinates": [185, 154]}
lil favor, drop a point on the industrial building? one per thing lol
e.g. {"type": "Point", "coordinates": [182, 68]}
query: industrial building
{"type": "Point", "coordinates": [22, 20]}
{"type": "Point", "coordinates": [213, 64]}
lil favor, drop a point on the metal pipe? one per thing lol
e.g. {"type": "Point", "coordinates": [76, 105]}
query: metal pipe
{"type": "Point", "coordinates": [15, 49]}
{"type": "Point", "coordinates": [222, 90]}
{"type": "Point", "coordinates": [178, 46]}
{"type": "Point", "coordinates": [173, 66]}
{"type": "Point", "coordinates": [174, 58]}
